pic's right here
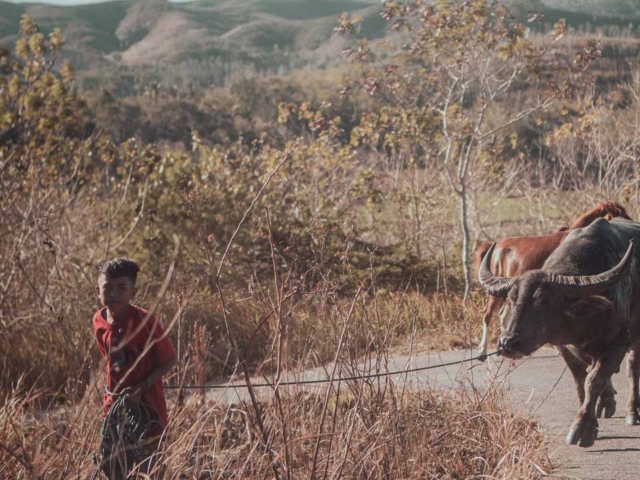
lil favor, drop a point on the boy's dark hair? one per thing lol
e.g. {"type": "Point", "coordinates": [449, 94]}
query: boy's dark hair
{"type": "Point", "coordinates": [120, 267]}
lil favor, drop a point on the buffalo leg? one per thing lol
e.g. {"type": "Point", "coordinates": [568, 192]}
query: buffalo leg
{"type": "Point", "coordinates": [493, 305]}
{"type": "Point", "coordinates": [578, 366]}
{"type": "Point", "coordinates": [585, 427]}
{"type": "Point", "coordinates": [633, 371]}
{"type": "Point", "coordinates": [607, 401]}
{"type": "Point", "coordinates": [578, 370]}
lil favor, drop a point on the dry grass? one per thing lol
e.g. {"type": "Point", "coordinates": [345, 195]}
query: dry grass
{"type": "Point", "coordinates": [368, 431]}
{"type": "Point", "coordinates": [50, 405]}
{"type": "Point", "coordinates": [49, 424]}
{"type": "Point", "coordinates": [381, 320]}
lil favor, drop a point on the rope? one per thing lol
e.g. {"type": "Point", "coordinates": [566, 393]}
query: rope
{"type": "Point", "coordinates": [119, 403]}
{"type": "Point", "coordinates": [331, 380]}
{"type": "Point", "coordinates": [125, 428]}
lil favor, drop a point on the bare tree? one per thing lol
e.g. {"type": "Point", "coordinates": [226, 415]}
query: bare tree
{"type": "Point", "coordinates": [447, 89]}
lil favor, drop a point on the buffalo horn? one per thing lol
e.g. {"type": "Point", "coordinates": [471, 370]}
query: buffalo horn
{"type": "Point", "coordinates": [584, 285]}
{"type": "Point", "coordinates": [493, 285]}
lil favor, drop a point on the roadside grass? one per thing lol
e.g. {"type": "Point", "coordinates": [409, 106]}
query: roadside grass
{"type": "Point", "coordinates": [50, 410]}
{"type": "Point", "coordinates": [435, 319]}
{"type": "Point", "coordinates": [358, 429]}
{"type": "Point", "coordinates": [49, 427]}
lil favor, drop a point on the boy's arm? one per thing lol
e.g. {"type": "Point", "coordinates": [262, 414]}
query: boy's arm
{"type": "Point", "coordinates": [165, 358]}
{"type": "Point", "coordinates": [134, 394]}
{"type": "Point", "coordinates": [160, 371]}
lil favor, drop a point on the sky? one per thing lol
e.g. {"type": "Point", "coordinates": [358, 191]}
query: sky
{"type": "Point", "coordinates": [58, 2]}
{"type": "Point", "coordinates": [73, 2]}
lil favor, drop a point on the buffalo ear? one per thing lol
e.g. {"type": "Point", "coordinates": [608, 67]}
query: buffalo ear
{"type": "Point", "coordinates": [589, 306]}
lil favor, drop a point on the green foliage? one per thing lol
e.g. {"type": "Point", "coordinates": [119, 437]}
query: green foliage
{"type": "Point", "coordinates": [39, 107]}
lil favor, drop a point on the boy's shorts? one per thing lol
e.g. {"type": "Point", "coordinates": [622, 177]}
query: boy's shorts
{"type": "Point", "coordinates": [130, 438]}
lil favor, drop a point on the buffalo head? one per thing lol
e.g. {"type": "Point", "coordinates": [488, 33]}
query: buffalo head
{"type": "Point", "coordinates": [538, 302]}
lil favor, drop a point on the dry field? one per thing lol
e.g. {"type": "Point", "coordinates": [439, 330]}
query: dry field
{"type": "Point", "coordinates": [359, 429]}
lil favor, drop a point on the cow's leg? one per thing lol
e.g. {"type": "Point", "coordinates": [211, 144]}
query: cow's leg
{"type": "Point", "coordinates": [633, 371]}
{"type": "Point", "coordinates": [493, 305]}
{"type": "Point", "coordinates": [585, 427]}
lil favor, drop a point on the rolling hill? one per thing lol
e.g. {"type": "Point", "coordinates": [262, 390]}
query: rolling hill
{"type": "Point", "coordinates": [142, 32]}
{"type": "Point", "coordinates": [581, 12]}
{"type": "Point", "coordinates": [267, 35]}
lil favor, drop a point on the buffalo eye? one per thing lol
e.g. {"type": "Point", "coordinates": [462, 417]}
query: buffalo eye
{"type": "Point", "coordinates": [540, 297]}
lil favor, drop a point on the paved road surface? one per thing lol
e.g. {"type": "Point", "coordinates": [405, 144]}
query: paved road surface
{"type": "Point", "coordinates": [616, 453]}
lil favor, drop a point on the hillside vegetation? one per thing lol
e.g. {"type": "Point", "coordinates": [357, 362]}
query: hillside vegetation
{"type": "Point", "coordinates": [285, 221]}
{"type": "Point", "coordinates": [265, 36]}
{"type": "Point", "coordinates": [267, 33]}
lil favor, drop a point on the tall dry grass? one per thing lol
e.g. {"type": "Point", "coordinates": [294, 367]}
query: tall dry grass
{"type": "Point", "coordinates": [354, 429]}
{"type": "Point", "coordinates": [49, 426]}
{"type": "Point", "coordinates": [265, 327]}
{"type": "Point", "coordinates": [50, 412]}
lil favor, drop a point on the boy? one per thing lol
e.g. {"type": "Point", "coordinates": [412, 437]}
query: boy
{"type": "Point", "coordinates": [138, 354]}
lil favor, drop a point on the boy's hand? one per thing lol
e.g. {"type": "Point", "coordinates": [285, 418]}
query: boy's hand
{"type": "Point", "coordinates": [133, 395]}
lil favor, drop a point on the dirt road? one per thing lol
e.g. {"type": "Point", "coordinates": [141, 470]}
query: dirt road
{"type": "Point", "coordinates": [539, 385]}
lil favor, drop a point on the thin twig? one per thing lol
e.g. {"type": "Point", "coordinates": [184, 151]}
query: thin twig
{"type": "Point", "coordinates": [287, 156]}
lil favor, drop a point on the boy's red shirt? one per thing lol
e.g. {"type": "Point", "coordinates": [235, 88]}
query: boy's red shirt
{"type": "Point", "coordinates": [146, 347]}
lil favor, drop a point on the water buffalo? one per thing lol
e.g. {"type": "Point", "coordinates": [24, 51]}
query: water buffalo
{"type": "Point", "coordinates": [516, 255]}
{"type": "Point", "coordinates": [586, 300]}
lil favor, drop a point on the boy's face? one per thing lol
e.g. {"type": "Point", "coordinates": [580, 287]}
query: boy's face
{"type": "Point", "coordinates": [115, 293]}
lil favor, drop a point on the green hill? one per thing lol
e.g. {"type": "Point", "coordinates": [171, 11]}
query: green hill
{"type": "Point", "coordinates": [145, 32]}
{"type": "Point", "coordinates": [580, 13]}
{"type": "Point", "coordinates": [227, 35]}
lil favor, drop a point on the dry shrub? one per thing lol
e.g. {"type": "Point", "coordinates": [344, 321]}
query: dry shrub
{"type": "Point", "coordinates": [383, 319]}
{"type": "Point", "coordinates": [369, 431]}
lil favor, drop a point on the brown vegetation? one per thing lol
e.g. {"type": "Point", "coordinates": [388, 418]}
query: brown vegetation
{"type": "Point", "coordinates": [383, 433]}
{"type": "Point", "coordinates": [309, 231]}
